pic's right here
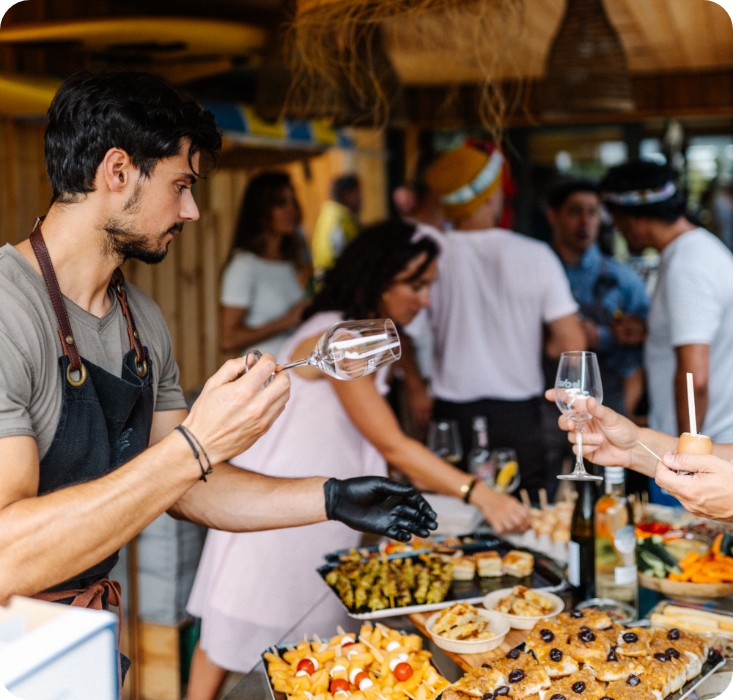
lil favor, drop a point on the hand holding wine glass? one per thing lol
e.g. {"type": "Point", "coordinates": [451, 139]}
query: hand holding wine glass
{"type": "Point", "coordinates": [578, 379]}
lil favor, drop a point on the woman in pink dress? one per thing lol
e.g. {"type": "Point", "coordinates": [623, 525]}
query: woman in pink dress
{"type": "Point", "coordinates": [331, 427]}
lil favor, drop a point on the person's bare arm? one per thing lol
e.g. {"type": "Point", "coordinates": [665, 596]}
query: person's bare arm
{"type": "Point", "coordinates": [564, 334]}
{"type": "Point", "coordinates": [421, 403]}
{"type": "Point", "coordinates": [373, 417]}
{"type": "Point", "coordinates": [696, 359]}
{"type": "Point", "coordinates": [238, 500]}
{"type": "Point", "coordinates": [234, 335]}
{"type": "Point", "coordinates": [48, 539]}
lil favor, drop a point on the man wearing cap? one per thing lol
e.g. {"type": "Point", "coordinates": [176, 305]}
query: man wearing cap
{"type": "Point", "coordinates": [691, 316]}
{"type": "Point", "coordinates": [497, 293]}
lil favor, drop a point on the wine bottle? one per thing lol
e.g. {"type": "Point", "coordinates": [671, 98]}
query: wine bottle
{"type": "Point", "coordinates": [581, 548]}
{"type": "Point", "coordinates": [479, 463]}
{"type": "Point", "coordinates": [615, 541]}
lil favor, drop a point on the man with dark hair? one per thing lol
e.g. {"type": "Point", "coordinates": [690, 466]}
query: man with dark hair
{"type": "Point", "coordinates": [612, 298]}
{"type": "Point", "coordinates": [338, 223]}
{"type": "Point", "coordinates": [95, 439]}
{"type": "Point", "coordinates": [691, 316]}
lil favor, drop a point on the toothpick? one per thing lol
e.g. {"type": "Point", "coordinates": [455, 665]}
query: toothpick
{"type": "Point", "coordinates": [691, 404]}
{"type": "Point", "coordinates": [543, 499]}
{"type": "Point", "coordinates": [650, 451]}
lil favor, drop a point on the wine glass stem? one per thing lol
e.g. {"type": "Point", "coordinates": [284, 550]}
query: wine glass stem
{"type": "Point", "coordinates": [579, 465]}
{"type": "Point", "coordinates": [299, 363]}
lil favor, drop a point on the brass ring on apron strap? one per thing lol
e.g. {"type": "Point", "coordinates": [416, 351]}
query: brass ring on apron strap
{"type": "Point", "coordinates": [82, 375]}
{"type": "Point", "coordinates": [141, 368]}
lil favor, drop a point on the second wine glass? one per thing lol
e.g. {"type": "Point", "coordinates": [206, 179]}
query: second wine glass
{"type": "Point", "coordinates": [578, 379]}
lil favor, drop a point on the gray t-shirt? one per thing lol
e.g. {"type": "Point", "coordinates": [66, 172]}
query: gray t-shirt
{"type": "Point", "coordinates": [693, 304]}
{"type": "Point", "coordinates": [30, 381]}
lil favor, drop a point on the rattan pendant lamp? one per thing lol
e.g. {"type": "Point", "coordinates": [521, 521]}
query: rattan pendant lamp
{"type": "Point", "coordinates": [586, 66]}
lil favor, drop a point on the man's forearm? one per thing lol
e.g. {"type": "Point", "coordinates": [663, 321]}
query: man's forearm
{"type": "Point", "coordinates": [49, 539]}
{"type": "Point", "coordinates": [238, 500]}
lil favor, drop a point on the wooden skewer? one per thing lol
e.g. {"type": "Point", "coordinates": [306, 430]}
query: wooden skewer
{"type": "Point", "coordinates": [543, 499]}
{"type": "Point", "coordinates": [650, 451]}
{"type": "Point", "coordinates": [691, 404]}
{"type": "Point", "coordinates": [525, 498]}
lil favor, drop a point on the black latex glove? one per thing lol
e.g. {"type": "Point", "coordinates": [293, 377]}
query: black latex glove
{"type": "Point", "coordinates": [378, 505]}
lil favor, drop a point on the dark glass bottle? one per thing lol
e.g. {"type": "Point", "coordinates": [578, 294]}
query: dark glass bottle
{"type": "Point", "coordinates": [581, 548]}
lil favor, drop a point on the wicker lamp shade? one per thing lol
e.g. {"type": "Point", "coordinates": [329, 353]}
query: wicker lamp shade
{"type": "Point", "coordinates": [339, 58]}
{"type": "Point", "coordinates": [586, 66]}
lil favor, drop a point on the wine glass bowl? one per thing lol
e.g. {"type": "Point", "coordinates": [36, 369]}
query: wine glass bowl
{"type": "Point", "coordinates": [578, 379]}
{"type": "Point", "coordinates": [444, 440]}
{"type": "Point", "coordinates": [348, 350]}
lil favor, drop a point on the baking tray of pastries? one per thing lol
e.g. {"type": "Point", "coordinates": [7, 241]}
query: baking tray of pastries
{"type": "Point", "coordinates": [583, 655]}
{"type": "Point", "coordinates": [383, 585]}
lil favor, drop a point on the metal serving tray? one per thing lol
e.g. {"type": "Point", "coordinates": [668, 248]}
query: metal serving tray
{"type": "Point", "coordinates": [544, 578]}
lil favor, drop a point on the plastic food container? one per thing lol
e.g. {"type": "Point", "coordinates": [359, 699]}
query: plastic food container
{"type": "Point", "coordinates": [497, 625]}
{"type": "Point", "coordinates": [519, 622]}
{"type": "Point", "coordinates": [619, 612]}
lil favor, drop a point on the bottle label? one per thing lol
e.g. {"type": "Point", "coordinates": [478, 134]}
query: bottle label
{"type": "Point", "coordinates": [624, 575]}
{"type": "Point", "coordinates": [625, 539]}
{"type": "Point", "coordinates": [573, 563]}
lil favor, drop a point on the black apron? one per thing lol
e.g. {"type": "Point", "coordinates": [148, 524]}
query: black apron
{"type": "Point", "coordinates": [104, 422]}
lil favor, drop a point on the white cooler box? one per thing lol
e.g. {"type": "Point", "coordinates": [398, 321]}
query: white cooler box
{"type": "Point", "coordinates": [50, 651]}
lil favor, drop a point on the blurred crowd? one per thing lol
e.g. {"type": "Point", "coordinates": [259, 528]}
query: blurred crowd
{"type": "Point", "coordinates": [484, 314]}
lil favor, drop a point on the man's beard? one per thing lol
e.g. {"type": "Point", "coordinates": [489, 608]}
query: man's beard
{"type": "Point", "coordinates": [127, 244]}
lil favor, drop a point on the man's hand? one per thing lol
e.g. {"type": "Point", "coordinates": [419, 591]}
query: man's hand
{"type": "Point", "coordinates": [378, 505]}
{"type": "Point", "coordinates": [707, 491]}
{"type": "Point", "coordinates": [609, 439]}
{"type": "Point", "coordinates": [629, 330]}
{"type": "Point", "coordinates": [504, 513]}
{"type": "Point", "coordinates": [235, 409]}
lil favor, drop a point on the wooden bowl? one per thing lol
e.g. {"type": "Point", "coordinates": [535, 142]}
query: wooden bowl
{"type": "Point", "coordinates": [683, 589]}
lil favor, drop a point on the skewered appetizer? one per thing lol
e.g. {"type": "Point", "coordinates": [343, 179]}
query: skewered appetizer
{"type": "Point", "coordinates": [378, 584]}
{"type": "Point", "coordinates": [378, 663]}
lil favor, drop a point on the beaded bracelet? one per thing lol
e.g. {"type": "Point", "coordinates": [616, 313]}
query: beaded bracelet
{"type": "Point", "coordinates": [191, 439]}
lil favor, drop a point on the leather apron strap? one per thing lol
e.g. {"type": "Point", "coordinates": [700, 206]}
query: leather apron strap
{"type": "Point", "coordinates": [92, 598]}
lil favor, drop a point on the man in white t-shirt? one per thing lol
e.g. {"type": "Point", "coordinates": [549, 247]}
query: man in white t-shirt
{"type": "Point", "coordinates": [498, 297]}
{"type": "Point", "coordinates": [691, 316]}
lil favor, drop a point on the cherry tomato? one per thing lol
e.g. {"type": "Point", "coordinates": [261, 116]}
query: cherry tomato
{"type": "Point", "coordinates": [390, 548]}
{"type": "Point", "coordinates": [360, 677]}
{"type": "Point", "coordinates": [339, 684]}
{"type": "Point", "coordinates": [307, 666]}
{"type": "Point", "coordinates": [402, 671]}
{"type": "Point", "coordinates": [347, 643]}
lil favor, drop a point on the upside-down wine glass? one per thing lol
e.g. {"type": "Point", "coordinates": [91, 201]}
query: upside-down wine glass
{"type": "Point", "coordinates": [351, 349]}
{"type": "Point", "coordinates": [578, 379]}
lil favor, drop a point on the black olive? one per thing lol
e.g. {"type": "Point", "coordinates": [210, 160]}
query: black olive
{"type": "Point", "coordinates": [577, 614]}
{"type": "Point", "coordinates": [485, 666]}
{"type": "Point", "coordinates": [513, 654]}
{"type": "Point", "coordinates": [661, 657]}
{"type": "Point", "coordinates": [630, 638]}
{"type": "Point", "coordinates": [516, 675]}
{"type": "Point", "coordinates": [612, 655]}
{"type": "Point", "coordinates": [585, 628]}
{"type": "Point", "coordinates": [579, 687]}
{"type": "Point", "coordinates": [633, 680]}
{"type": "Point", "coordinates": [672, 653]}
{"type": "Point", "coordinates": [607, 697]}
{"type": "Point", "coordinates": [557, 696]}
{"type": "Point", "coordinates": [555, 655]}
{"type": "Point", "coordinates": [487, 696]}
{"type": "Point", "coordinates": [501, 690]}
{"type": "Point", "coordinates": [673, 634]}
{"type": "Point", "coordinates": [546, 635]}
{"type": "Point", "coordinates": [587, 637]}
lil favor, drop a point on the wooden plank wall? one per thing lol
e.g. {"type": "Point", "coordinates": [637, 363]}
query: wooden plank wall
{"type": "Point", "coordinates": [186, 284]}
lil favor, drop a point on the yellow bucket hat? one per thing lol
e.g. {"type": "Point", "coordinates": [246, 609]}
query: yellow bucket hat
{"type": "Point", "coordinates": [464, 179]}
